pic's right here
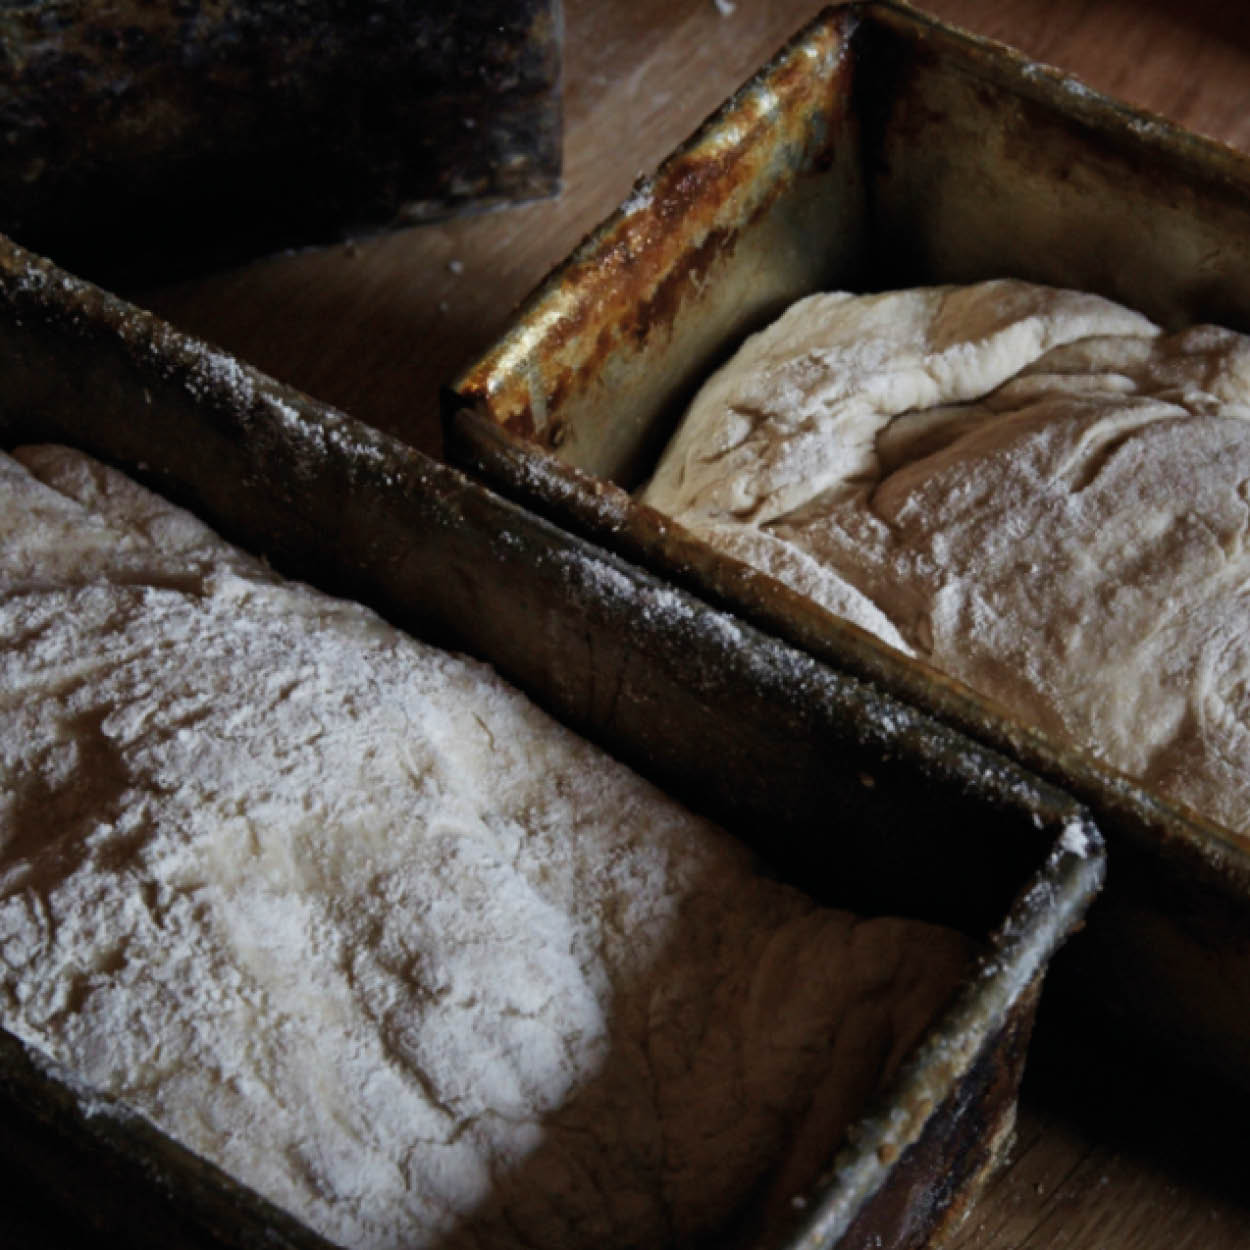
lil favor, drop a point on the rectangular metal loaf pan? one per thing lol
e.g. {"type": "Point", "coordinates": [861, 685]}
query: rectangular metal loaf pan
{"type": "Point", "coordinates": [146, 141]}
{"type": "Point", "coordinates": [860, 799]}
{"type": "Point", "coordinates": [883, 149]}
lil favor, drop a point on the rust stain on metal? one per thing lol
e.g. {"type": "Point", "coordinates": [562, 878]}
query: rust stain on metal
{"type": "Point", "coordinates": [629, 283]}
{"type": "Point", "coordinates": [660, 311]}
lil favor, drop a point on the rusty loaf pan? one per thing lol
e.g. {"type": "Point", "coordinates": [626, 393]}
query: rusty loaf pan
{"type": "Point", "coordinates": [145, 141]}
{"type": "Point", "coordinates": [883, 149]}
{"type": "Point", "coordinates": [862, 800]}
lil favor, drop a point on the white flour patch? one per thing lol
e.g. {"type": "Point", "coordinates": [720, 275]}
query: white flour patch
{"type": "Point", "coordinates": [353, 919]}
{"type": "Point", "coordinates": [1034, 490]}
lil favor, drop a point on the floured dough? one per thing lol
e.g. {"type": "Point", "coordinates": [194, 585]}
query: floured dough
{"type": "Point", "coordinates": [1033, 489]}
{"type": "Point", "coordinates": [353, 919]}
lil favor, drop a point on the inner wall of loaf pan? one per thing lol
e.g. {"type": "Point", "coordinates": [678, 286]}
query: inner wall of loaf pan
{"type": "Point", "coordinates": [985, 164]}
{"type": "Point", "coordinates": [759, 207]}
{"type": "Point", "coordinates": [879, 150]}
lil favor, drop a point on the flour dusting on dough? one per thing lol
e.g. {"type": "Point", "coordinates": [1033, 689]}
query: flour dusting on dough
{"type": "Point", "coordinates": [1033, 489]}
{"type": "Point", "coordinates": [353, 919]}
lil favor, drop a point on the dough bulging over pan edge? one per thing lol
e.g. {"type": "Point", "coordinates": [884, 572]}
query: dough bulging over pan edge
{"type": "Point", "coordinates": [351, 918]}
{"type": "Point", "coordinates": [1035, 490]}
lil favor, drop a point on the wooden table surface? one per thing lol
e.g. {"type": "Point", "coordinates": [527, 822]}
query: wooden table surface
{"type": "Point", "coordinates": [374, 328]}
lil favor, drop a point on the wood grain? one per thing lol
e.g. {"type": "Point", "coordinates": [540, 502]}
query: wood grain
{"type": "Point", "coordinates": [375, 328]}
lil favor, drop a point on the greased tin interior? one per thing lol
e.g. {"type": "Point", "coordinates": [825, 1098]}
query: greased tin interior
{"type": "Point", "coordinates": [856, 796]}
{"type": "Point", "coordinates": [884, 149]}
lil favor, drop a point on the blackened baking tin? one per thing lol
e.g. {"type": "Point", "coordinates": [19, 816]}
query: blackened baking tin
{"type": "Point", "coordinates": [884, 149]}
{"type": "Point", "coordinates": [143, 141]}
{"type": "Point", "coordinates": [856, 796]}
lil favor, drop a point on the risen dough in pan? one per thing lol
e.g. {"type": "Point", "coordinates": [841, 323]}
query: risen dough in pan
{"type": "Point", "coordinates": [353, 919]}
{"type": "Point", "coordinates": [1033, 489]}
